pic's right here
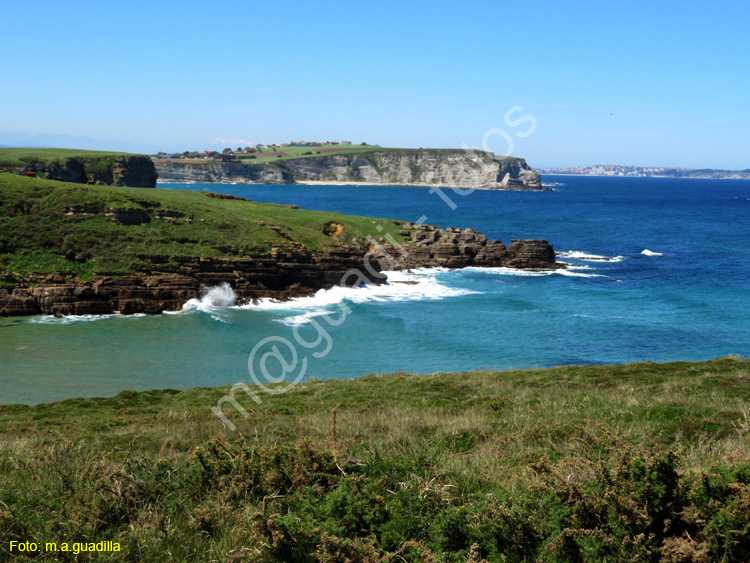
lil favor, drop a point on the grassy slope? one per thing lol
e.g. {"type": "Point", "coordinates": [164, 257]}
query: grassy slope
{"type": "Point", "coordinates": [299, 152]}
{"type": "Point", "coordinates": [36, 235]}
{"type": "Point", "coordinates": [640, 462]}
{"type": "Point", "coordinates": [21, 156]}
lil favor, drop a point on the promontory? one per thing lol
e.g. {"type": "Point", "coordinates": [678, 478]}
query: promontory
{"type": "Point", "coordinates": [357, 165]}
{"type": "Point", "coordinates": [68, 248]}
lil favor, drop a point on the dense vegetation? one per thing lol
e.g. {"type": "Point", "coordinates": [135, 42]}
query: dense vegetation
{"type": "Point", "coordinates": [639, 462]}
{"type": "Point", "coordinates": [48, 227]}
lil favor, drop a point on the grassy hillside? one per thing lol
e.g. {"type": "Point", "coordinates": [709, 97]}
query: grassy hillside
{"type": "Point", "coordinates": [48, 226]}
{"type": "Point", "coordinates": [302, 152]}
{"type": "Point", "coordinates": [24, 156]}
{"type": "Point", "coordinates": [640, 462]}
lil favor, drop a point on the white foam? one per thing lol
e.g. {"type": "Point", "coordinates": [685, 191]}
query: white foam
{"type": "Point", "coordinates": [415, 285]}
{"type": "Point", "coordinates": [220, 296]}
{"type": "Point", "coordinates": [648, 252]}
{"type": "Point", "coordinates": [570, 266]}
{"type": "Point", "coordinates": [537, 273]}
{"type": "Point", "coordinates": [304, 318]}
{"type": "Point", "coordinates": [567, 272]}
{"type": "Point", "coordinates": [512, 271]}
{"type": "Point", "coordinates": [578, 255]}
{"type": "Point", "coordinates": [69, 319]}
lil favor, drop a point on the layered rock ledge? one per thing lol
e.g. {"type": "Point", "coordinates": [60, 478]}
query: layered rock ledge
{"type": "Point", "coordinates": [283, 274]}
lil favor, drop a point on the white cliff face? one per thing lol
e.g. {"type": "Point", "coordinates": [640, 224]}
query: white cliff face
{"type": "Point", "coordinates": [222, 172]}
{"type": "Point", "coordinates": [424, 167]}
{"type": "Point", "coordinates": [397, 167]}
{"type": "Point", "coordinates": [420, 167]}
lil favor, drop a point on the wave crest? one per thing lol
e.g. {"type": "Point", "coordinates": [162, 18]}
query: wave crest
{"type": "Point", "coordinates": [578, 255]}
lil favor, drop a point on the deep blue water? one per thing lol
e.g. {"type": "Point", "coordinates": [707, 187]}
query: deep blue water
{"type": "Point", "coordinates": [689, 302]}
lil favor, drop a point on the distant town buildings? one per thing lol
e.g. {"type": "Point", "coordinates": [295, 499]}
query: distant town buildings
{"type": "Point", "coordinates": [611, 170]}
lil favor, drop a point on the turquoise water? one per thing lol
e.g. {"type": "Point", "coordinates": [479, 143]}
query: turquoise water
{"type": "Point", "coordinates": [688, 298]}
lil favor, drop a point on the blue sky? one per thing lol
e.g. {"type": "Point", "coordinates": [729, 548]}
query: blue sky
{"type": "Point", "coordinates": [651, 83]}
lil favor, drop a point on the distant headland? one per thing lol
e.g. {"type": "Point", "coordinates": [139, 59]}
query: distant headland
{"type": "Point", "coordinates": [345, 163]}
{"type": "Point", "coordinates": [301, 163]}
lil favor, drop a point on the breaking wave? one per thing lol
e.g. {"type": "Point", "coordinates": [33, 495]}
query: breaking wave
{"type": "Point", "coordinates": [578, 255]}
{"type": "Point", "coordinates": [220, 296]}
{"type": "Point", "coordinates": [419, 284]}
{"type": "Point", "coordinates": [541, 272]}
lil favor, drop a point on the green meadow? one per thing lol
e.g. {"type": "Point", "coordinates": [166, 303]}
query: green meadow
{"type": "Point", "coordinates": [24, 156]}
{"type": "Point", "coordinates": [48, 226]}
{"type": "Point", "coordinates": [301, 152]}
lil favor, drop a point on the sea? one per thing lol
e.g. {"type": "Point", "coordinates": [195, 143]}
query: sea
{"type": "Point", "coordinates": [659, 270]}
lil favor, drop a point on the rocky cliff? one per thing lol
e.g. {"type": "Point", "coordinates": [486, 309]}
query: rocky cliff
{"type": "Point", "coordinates": [282, 275]}
{"type": "Point", "coordinates": [134, 171]}
{"type": "Point", "coordinates": [223, 172]}
{"type": "Point", "coordinates": [421, 167]}
{"type": "Point", "coordinates": [459, 248]}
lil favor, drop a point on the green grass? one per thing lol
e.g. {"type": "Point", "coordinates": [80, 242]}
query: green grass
{"type": "Point", "coordinates": [296, 152]}
{"type": "Point", "coordinates": [22, 156]}
{"type": "Point", "coordinates": [37, 237]}
{"type": "Point", "coordinates": [364, 150]}
{"type": "Point", "coordinates": [637, 462]}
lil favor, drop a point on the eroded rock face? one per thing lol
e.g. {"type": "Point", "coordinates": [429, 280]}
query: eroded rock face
{"type": "Point", "coordinates": [419, 167]}
{"type": "Point", "coordinates": [529, 253]}
{"type": "Point", "coordinates": [459, 248]}
{"type": "Point", "coordinates": [128, 217]}
{"type": "Point", "coordinates": [18, 302]}
{"type": "Point", "coordinates": [223, 172]}
{"type": "Point", "coordinates": [133, 171]}
{"type": "Point", "coordinates": [284, 273]}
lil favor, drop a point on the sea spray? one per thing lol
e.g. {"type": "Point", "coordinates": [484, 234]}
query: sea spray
{"type": "Point", "coordinates": [220, 296]}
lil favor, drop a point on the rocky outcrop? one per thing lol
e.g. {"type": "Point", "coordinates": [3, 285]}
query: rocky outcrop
{"type": "Point", "coordinates": [133, 171]}
{"type": "Point", "coordinates": [418, 167]}
{"type": "Point", "coordinates": [283, 274]}
{"type": "Point", "coordinates": [223, 172]}
{"type": "Point", "coordinates": [459, 248]}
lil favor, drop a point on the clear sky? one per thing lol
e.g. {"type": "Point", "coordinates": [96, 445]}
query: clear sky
{"type": "Point", "coordinates": [651, 83]}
